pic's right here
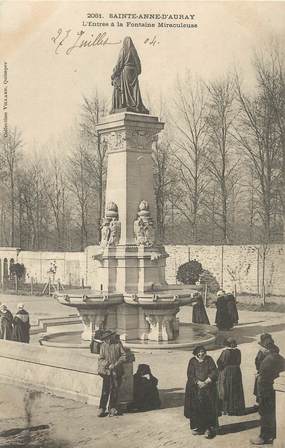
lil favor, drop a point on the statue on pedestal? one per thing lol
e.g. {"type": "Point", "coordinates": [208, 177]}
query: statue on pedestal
{"type": "Point", "coordinates": [126, 94]}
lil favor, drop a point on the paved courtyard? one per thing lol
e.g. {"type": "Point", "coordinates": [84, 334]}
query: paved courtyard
{"type": "Point", "coordinates": [60, 423]}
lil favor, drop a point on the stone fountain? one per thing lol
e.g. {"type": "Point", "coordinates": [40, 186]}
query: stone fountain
{"type": "Point", "coordinates": [129, 293]}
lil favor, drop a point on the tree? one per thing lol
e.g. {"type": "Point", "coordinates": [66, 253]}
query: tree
{"type": "Point", "coordinates": [95, 155]}
{"type": "Point", "coordinates": [270, 72]}
{"type": "Point", "coordinates": [79, 184]}
{"type": "Point", "coordinates": [222, 162]}
{"type": "Point", "coordinates": [190, 142]}
{"type": "Point", "coordinates": [257, 135]}
{"type": "Point", "coordinates": [10, 154]}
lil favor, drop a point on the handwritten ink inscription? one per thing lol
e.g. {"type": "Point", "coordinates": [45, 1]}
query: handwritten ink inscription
{"type": "Point", "coordinates": [66, 41]}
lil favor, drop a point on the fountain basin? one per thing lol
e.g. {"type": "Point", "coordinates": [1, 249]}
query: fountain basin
{"type": "Point", "coordinates": [190, 335]}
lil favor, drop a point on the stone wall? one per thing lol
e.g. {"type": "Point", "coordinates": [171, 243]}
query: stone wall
{"type": "Point", "coordinates": [232, 265]}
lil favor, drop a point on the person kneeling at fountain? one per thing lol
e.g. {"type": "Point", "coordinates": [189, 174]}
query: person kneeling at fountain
{"type": "Point", "coordinates": [110, 368]}
{"type": "Point", "coordinates": [146, 395]}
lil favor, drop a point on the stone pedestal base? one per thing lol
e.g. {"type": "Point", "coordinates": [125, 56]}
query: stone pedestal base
{"type": "Point", "coordinates": [162, 324]}
{"type": "Point", "coordinates": [279, 386]}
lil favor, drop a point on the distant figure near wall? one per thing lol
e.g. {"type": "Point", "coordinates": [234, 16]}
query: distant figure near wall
{"type": "Point", "coordinates": [6, 323]}
{"type": "Point", "coordinates": [21, 322]}
{"type": "Point", "coordinates": [126, 94]}
{"type": "Point", "coordinates": [199, 315]}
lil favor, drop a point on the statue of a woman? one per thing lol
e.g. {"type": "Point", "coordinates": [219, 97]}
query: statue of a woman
{"type": "Point", "coordinates": [126, 94]}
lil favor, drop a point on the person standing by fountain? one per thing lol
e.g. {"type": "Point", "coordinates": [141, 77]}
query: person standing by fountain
{"type": "Point", "coordinates": [232, 308]}
{"type": "Point", "coordinates": [230, 386]}
{"type": "Point", "coordinates": [21, 323]}
{"type": "Point", "coordinates": [223, 318]}
{"type": "Point", "coordinates": [199, 314]}
{"type": "Point", "coordinates": [6, 323]}
{"type": "Point", "coordinates": [201, 405]}
{"type": "Point", "coordinates": [110, 368]}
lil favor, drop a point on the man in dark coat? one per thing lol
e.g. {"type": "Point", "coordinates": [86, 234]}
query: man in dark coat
{"type": "Point", "coordinates": [21, 323]}
{"type": "Point", "coordinates": [6, 323]}
{"type": "Point", "coordinates": [269, 370]}
{"type": "Point", "coordinates": [110, 368]}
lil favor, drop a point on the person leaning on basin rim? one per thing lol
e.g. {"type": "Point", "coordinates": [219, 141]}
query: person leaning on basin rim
{"type": "Point", "coordinates": [110, 368]}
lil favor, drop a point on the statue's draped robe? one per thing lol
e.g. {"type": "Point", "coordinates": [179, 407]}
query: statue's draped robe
{"type": "Point", "coordinates": [126, 94]}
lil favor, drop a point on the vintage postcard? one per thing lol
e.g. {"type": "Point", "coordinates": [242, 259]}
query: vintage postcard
{"type": "Point", "coordinates": [142, 211]}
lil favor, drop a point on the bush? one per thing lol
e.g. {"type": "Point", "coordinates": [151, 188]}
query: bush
{"type": "Point", "coordinates": [189, 273]}
{"type": "Point", "coordinates": [208, 278]}
{"type": "Point", "coordinates": [17, 270]}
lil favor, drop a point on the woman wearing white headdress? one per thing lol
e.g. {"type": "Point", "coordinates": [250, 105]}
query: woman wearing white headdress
{"type": "Point", "coordinates": [6, 323]}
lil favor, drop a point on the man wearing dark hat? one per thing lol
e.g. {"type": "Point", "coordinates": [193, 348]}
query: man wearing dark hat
{"type": "Point", "coordinates": [269, 370]}
{"type": "Point", "coordinates": [112, 356]}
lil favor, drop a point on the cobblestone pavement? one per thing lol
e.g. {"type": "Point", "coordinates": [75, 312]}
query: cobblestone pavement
{"type": "Point", "coordinates": [62, 423]}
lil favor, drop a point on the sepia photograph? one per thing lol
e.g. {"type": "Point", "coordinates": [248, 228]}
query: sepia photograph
{"type": "Point", "coordinates": [142, 224]}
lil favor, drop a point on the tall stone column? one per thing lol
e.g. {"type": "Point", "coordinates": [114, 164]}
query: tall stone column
{"type": "Point", "coordinates": [130, 195]}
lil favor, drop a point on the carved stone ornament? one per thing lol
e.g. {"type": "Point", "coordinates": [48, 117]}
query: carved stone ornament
{"type": "Point", "coordinates": [111, 226]}
{"type": "Point", "coordinates": [144, 226]}
{"type": "Point", "coordinates": [115, 141]}
{"type": "Point", "coordinates": [140, 139]}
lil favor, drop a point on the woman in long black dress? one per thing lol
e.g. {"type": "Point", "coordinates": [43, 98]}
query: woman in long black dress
{"type": "Point", "coordinates": [232, 308]}
{"type": "Point", "coordinates": [223, 318]}
{"type": "Point", "coordinates": [6, 323]}
{"type": "Point", "coordinates": [199, 314]}
{"type": "Point", "coordinates": [201, 405]}
{"type": "Point", "coordinates": [231, 395]}
{"type": "Point", "coordinates": [21, 324]}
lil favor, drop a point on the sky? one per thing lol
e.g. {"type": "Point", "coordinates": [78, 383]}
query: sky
{"type": "Point", "coordinates": [45, 85]}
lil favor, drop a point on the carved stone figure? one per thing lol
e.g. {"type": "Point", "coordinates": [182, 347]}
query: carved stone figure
{"type": "Point", "coordinates": [105, 233]}
{"type": "Point", "coordinates": [139, 231]}
{"type": "Point", "coordinates": [144, 226]}
{"type": "Point", "coordinates": [126, 93]}
{"type": "Point", "coordinates": [115, 232]}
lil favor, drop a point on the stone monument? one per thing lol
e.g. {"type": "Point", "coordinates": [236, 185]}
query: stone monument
{"type": "Point", "coordinates": [129, 293]}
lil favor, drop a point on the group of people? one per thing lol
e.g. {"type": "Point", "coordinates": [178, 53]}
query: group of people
{"type": "Point", "coordinates": [112, 356]}
{"type": "Point", "coordinates": [226, 316]}
{"type": "Point", "coordinates": [212, 389]}
{"type": "Point", "coordinates": [215, 389]}
{"type": "Point", "coordinates": [17, 327]}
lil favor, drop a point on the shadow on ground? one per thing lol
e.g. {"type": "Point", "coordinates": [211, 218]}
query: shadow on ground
{"type": "Point", "coordinates": [238, 427]}
{"type": "Point", "coordinates": [245, 334]}
{"type": "Point", "coordinates": [171, 398]}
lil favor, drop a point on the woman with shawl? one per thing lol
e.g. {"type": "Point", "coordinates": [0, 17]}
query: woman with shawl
{"type": "Point", "coordinates": [126, 94]}
{"type": "Point", "coordinates": [201, 406]}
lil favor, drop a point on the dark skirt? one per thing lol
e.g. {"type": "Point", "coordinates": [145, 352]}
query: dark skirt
{"type": "Point", "coordinates": [201, 406]}
{"type": "Point", "coordinates": [199, 315]}
{"type": "Point", "coordinates": [231, 395]}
